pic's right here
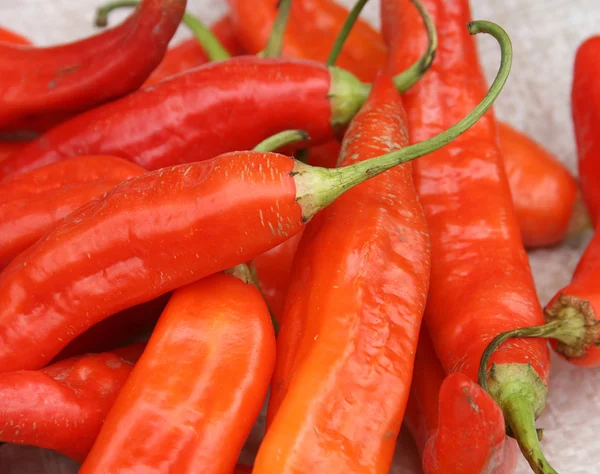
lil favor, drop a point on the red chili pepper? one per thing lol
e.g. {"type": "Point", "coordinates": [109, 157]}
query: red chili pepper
{"type": "Point", "coordinates": [352, 315]}
{"type": "Point", "coordinates": [585, 102]}
{"type": "Point", "coordinates": [456, 425]}
{"type": "Point", "coordinates": [194, 419]}
{"type": "Point", "coordinates": [543, 191]}
{"type": "Point", "coordinates": [8, 36]}
{"type": "Point", "coordinates": [202, 105]}
{"type": "Point", "coordinates": [190, 53]}
{"type": "Point", "coordinates": [481, 282]}
{"type": "Point", "coordinates": [571, 320]}
{"type": "Point", "coordinates": [312, 30]}
{"type": "Point", "coordinates": [41, 86]}
{"type": "Point", "coordinates": [159, 231]}
{"type": "Point", "coordinates": [32, 203]}
{"type": "Point", "coordinates": [62, 407]}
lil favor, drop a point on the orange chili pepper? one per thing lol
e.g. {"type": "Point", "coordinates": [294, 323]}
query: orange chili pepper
{"type": "Point", "coordinates": [352, 314]}
{"type": "Point", "coordinates": [192, 398]}
{"type": "Point", "coordinates": [543, 191]}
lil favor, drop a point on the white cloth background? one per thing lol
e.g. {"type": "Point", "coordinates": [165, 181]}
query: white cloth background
{"type": "Point", "coordinates": [545, 35]}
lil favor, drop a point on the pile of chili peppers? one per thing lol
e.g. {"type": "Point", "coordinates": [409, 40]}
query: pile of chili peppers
{"type": "Point", "coordinates": [266, 213]}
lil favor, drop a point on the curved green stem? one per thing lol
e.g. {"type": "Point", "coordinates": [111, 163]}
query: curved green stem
{"type": "Point", "coordinates": [275, 44]}
{"type": "Point", "coordinates": [280, 139]}
{"type": "Point", "coordinates": [408, 78]}
{"type": "Point", "coordinates": [313, 193]}
{"type": "Point", "coordinates": [519, 416]}
{"type": "Point", "coordinates": [209, 42]}
{"type": "Point", "coordinates": [345, 31]}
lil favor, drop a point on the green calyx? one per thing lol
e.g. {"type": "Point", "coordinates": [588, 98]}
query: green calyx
{"type": "Point", "coordinates": [317, 187]}
{"type": "Point", "coordinates": [346, 94]}
{"type": "Point", "coordinates": [521, 395]}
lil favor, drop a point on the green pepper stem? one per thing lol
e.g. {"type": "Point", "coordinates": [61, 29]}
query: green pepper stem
{"type": "Point", "coordinates": [519, 416]}
{"type": "Point", "coordinates": [280, 139]}
{"type": "Point", "coordinates": [316, 192]}
{"type": "Point", "coordinates": [209, 42]}
{"type": "Point", "coordinates": [345, 31]}
{"type": "Point", "coordinates": [406, 79]}
{"type": "Point", "coordinates": [275, 44]}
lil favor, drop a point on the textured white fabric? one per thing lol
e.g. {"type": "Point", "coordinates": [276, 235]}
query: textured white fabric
{"type": "Point", "coordinates": [545, 34]}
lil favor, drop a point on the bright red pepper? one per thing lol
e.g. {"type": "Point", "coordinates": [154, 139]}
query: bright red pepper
{"type": "Point", "coordinates": [456, 425]}
{"type": "Point", "coordinates": [189, 53]}
{"type": "Point", "coordinates": [62, 407]}
{"type": "Point", "coordinates": [543, 191]}
{"type": "Point", "coordinates": [192, 414]}
{"type": "Point", "coordinates": [197, 111]}
{"type": "Point", "coordinates": [41, 86]}
{"type": "Point", "coordinates": [352, 316]}
{"type": "Point", "coordinates": [159, 231]}
{"type": "Point", "coordinates": [33, 202]}
{"type": "Point", "coordinates": [571, 315]}
{"type": "Point", "coordinates": [312, 29]}
{"type": "Point", "coordinates": [481, 282]}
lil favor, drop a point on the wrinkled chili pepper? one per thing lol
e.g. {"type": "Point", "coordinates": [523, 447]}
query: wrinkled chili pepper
{"type": "Point", "coordinates": [196, 418]}
{"type": "Point", "coordinates": [286, 94]}
{"type": "Point", "coordinates": [63, 406]}
{"type": "Point", "coordinates": [481, 282]}
{"type": "Point", "coordinates": [314, 25]}
{"type": "Point", "coordinates": [571, 321]}
{"type": "Point", "coordinates": [42, 86]}
{"type": "Point", "coordinates": [164, 229]}
{"type": "Point", "coordinates": [456, 425]}
{"type": "Point", "coordinates": [33, 202]}
{"type": "Point", "coordinates": [352, 314]}
{"type": "Point", "coordinates": [543, 191]}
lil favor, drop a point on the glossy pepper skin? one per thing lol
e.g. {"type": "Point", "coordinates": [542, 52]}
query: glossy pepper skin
{"type": "Point", "coordinates": [31, 203]}
{"type": "Point", "coordinates": [456, 425]}
{"type": "Point", "coordinates": [197, 111]}
{"type": "Point", "coordinates": [352, 314]}
{"type": "Point", "coordinates": [582, 295]}
{"type": "Point", "coordinates": [475, 239]}
{"type": "Point", "coordinates": [147, 236]}
{"type": "Point", "coordinates": [196, 418]}
{"type": "Point", "coordinates": [42, 86]}
{"type": "Point", "coordinates": [63, 406]}
{"type": "Point", "coordinates": [543, 190]}
{"type": "Point", "coordinates": [311, 31]}
{"type": "Point", "coordinates": [481, 282]}
{"type": "Point", "coordinates": [189, 53]}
